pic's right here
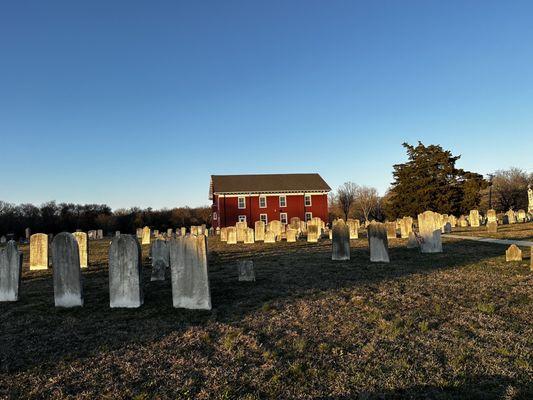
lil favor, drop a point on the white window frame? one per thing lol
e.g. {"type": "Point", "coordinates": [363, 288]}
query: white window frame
{"type": "Point", "coordinates": [261, 198]}
{"type": "Point", "coordinates": [284, 197]}
{"type": "Point", "coordinates": [286, 218]}
{"type": "Point", "coordinates": [242, 218]}
{"type": "Point", "coordinates": [243, 198]}
{"type": "Point", "coordinates": [265, 219]}
{"type": "Point", "coordinates": [308, 196]}
{"type": "Point", "coordinates": [215, 216]}
{"type": "Point", "coordinates": [310, 214]}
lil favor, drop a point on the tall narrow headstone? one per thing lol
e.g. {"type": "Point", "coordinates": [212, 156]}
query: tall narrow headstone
{"type": "Point", "coordinates": [378, 243]}
{"type": "Point", "coordinates": [224, 234]}
{"type": "Point", "coordinates": [430, 233]}
{"type": "Point", "coordinates": [249, 236]}
{"type": "Point", "coordinates": [354, 228]}
{"type": "Point", "coordinates": [190, 280]}
{"type": "Point", "coordinates": [340, 242]}
{"type": "Point", "coordinates": [491, 216]}
{"type": "Point", "coordinates": [68, 290]}
{"type": "Point", "coordinates": [241, 231]}
{"type": "Point", "coordinates": [146, 238]}
{"type": "Point", "coordinates": [183, 231]}
{"type": "Point", "coordinates": [312, 233]}
{"type": "Point", "coordinates": [521, 216]}
{"type": "Point", "coordinates": [38, 251]}
{"type": "Point", "coordinates": [259, 231]}
{"type": "Point", "coordinates": [232, 235]}
{"type": "Point", "coordinates": [27, 233]}
{"type": "Point", "coordinates": [170, 233]}
{"type": "Point", "coordinates": [406, 227]}
{"type": "Point", "coordinates": [81, 238]}
{"type": "Point", "coordinates": [125, 278]}
{"type": "Point", "coordinates": [10, 272]}
{"type": "Point", "coordinates": [474, 218]}
{"type": "Point", "coordinates": [100, 234]}
{"type": "Point", "coordinates": [160, 259]}
{"type": "Point", "coordinates": [246, 271]}
{"type": "Point", "coordinates": [511, 216]}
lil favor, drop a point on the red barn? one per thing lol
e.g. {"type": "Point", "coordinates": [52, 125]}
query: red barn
{"type": "Point", "coordinates": [279, 197]}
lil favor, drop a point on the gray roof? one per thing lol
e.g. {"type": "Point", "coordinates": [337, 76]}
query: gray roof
{"type": "Point", "coordinates": [267, 183]}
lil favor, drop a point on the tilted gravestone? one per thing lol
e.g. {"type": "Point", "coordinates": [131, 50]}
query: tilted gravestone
{"type": "Point", "coordinates": [430, 232]}
{"type": "Point", "coordinates": [10, 272]}
{"type": "Point", "coordinates": [246, 271]}
{"type": "Point", "coordinates": [38, 251]}
{"type": "Point", "coordinates": [160, 259]}
{"type": "Point", "coordinates": [249, 236]}
{"type": "Point", "coordinates": [68, 289]}
{"type": "Point", "coordinates": [270, 237]}
{"type": "Point", "coordinates": [513, 253]}
{"type": "Point", "coordinates": [378, 243]}
{"type": "Point", "coordinates": [190, 280]}
{"type": "Point", "coordinates": [146, 237]}
{"type": "Point", "coordinates": [125, 278]}
{"type": "Point", "coordinates": [232, 235]}
{"type": "Point", "coordinates": [340, 242]}
{"type": "Point", "coordinates": [81, 238]}
{"type": "Point", "coordinates": [259, 231]}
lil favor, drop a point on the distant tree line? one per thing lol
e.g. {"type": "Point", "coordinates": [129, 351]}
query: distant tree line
{"type": "Point", "coordinates": [67, 217]}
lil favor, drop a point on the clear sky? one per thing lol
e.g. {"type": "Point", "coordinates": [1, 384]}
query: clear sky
{"type": "Point", "coordinates": [137, 103]}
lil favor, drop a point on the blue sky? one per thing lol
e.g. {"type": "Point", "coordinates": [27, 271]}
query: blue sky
{"type": "Point", "coordinates": [138, 103]}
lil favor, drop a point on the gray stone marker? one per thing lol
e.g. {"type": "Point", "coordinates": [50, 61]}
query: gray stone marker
{"type": "Point", "coordinates": [38, 251]}
{"type": "Point", "coordinates": [139, 233]}
{"type": "Point", "coordinates": [447, 227]}
{"type": "Point", "coordinates": [27, 233]}
{"type": "Point", "coordinates": [125, 278]}
{"type": "Point", "coordinates": [117, 233]}
{"type": "Point", "coordinates": [160, 259]}
{"type": "Point", "coordinates": [68, 289]}
{"type": "Point", "coordinates": [246, 271]}
{"type": "Point", "coordinates": [232, 235]}
{"type": "Point", "coordinates": [10, 272]}
{"type": "Point", "coordinates": [492, 226]}
{"type": "Point", "coordinates": [83, 247]}
{"type": "Point", "coordinates": [190, 280]}
{"type": "Point", "coordinates": [312, 233]}
{"type": "Point", "coordinates": [513, 253]}
{"type": "Point", "coordinates": [430, 231]}
{"type": "Point", "coordinates": [340, 242]}
{"type": "Point", "coordinates": [378, 243]}
{"type": "Point", "coordinates": [412, 243]}
{"type": "Point", "coordinates": [170, 233]}
{"type": "Point", "coordinates": [100, 234]}
{"type": "Point", "coordinates": [3, 240]}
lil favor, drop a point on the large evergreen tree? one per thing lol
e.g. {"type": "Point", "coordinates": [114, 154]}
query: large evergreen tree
{"type": "Point", "coordinates": [429, 180]}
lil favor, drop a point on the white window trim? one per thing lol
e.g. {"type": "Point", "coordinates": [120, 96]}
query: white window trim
{"type": "Point", "coordinates": [286, 218]}
{"type": "Point", "coordinates": [242, 218]}
{"type": "Point", "coordinates": [266, 203]}
{"type": "Point", "coordinates": [310, 218]}
{"type": "Point", "coordinates": [310, 200]}
{"type": "Point", "coordinates": [283, 197]}
{"type": "Point", "coordinates": [215, 216]}
{"type": "Point", "coordinates": [239, 202]}
{"type": "Point", "coordinates": [265, 220]}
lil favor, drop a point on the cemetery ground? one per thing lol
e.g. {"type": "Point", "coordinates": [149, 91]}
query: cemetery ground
{"type": "Point", "coordinates": [449, 325]}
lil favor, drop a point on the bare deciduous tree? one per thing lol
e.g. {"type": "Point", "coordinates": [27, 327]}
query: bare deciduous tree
{"type": "Point", "coordinates": [367, 201]}
{"type": "Point", "coordinates": [346, 197]}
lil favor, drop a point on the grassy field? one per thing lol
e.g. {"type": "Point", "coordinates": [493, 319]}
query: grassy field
{"type": "Point", "coordinates": [451, 325]}
{"type": "Point", "coordinates": [512, 232]}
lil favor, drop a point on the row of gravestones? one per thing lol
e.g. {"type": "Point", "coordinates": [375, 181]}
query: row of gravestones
{"type": "Point", "coordinates": [187, 260]}
{"type": "Point", "coordinates": [146, 234]}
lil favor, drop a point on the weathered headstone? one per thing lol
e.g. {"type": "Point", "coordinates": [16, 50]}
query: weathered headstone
{"type": "Point", "coordinates": [353, 226]}
{"type": "Point", "coordinates": [224, 234]}
{"type": "Point", "coordinates": [246, 271]}
{"type": "Point", "coordinates": [453, 221]}
{"type": "Point", "coordinates": [99, 234]}
{"type": "Point", "coordinates": [276, 227]}
{"type": "Point", "coordinates": [83, 247]}
{"type": "Point", "coordinates": [139, 233]}
{"type": "Point", "coordinates": [430, 233]}
{"type": "Point", "coordinates": [340, 242]}
{"type": "Point", "coordinates": [295, 223]}
{"type": "Point", "coordinates": [147, 235]}
{"type": "Point", "coordinates": [513, 253]}
{"type": "Point", "coordinates": [68, 289]}
{"type": "Point", "coordinates": [217, 231]}
{"type": "Point", "coordinates": [511, 216]}
{"type": "Point", "coordinates": [156, 233]}
{"type": "Point", "coordinates": [474, 218]}
{"type": "Point", "coordinates": [447, 227]}
{"type": "Point", "coordinates": [259, 231]}
{"type": "Point", "coordinates": [378, 242]}
{"type": "Point", "coordinates": [491, 216]}
{"type": "Point", "coordinates": [160, 259]}
{"type": "Point", "coordinates": [241, 231]}
{"type": "Point", "coordinates": [312, 233]}
{"type": "Point", "coordinates": [492, 227]}
{"type": "Point", "coordinates": [291, 235]}
{"type": "Point", "coordinates": [521, 216]}
{"type": "Point", "coordinates": [249, 236]}
{"type": "Point", "coordinates": [391, 230]}
{"type": "Point", "coordinates": [38, 251]}
{"type": "Point", "coordinates": [117, 233]}
{"type": "Point", "coordinates": [406, 227]}
{"type": "Point", "coordinates": [194, 230]}
{"type": "Point", "coordinates": [190, 280]}
{"type": "Point", "coordinates": [232, 235]}
{"type": "Point", "coordinates": [10, 272]}
{"type": "Point", "coordinates": [183, 231]}
{"type": "Point", "coordinates": [27, 233]}
{"type": "Point", "coordinates": [170, 233]}
{"type": "Point", "coordinates": [463, 223]}
{"type": "Point", "coordinates": [270, 237]}
{"type": "Point", "coordinates": [412, 243]}
{"type": "Point", "coordinates": [125, 277]}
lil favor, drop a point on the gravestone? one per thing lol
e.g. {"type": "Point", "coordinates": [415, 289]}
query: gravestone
{"type": "Point", "coordinates": [463, 223]}
{"type": "Point", "coordinates": [38, 251]}
{"type": "Point", "coordinates": [295, 223]}
{"type": "Point", "coordinates": [241, 231]}
{"type": "Point", "coordinates": [412, 243]}
{"type": "Point", "coordinates": [189, 271]}
{"type": "Point", "coordinates": [27, 233]}
{"type": "Point", "coordinates": [303, 227]}
{"type": "Point", "coordinates": [406, 227]}
{"type": "Point", "coordinates": [10, 272]}
{"type": "Point", "coordinates": [232, 235]}
{"type": "Point", "coordinates": [68, 289]}
{"type": "Point", "coordinates": [312, 233]}
{"type": "Point", "coordinates": [83, 247]}
{"type": "Point", "coordinates": [117, 233]}
{"type": "Point", "coordinates": [391, 230]}
{"type": "Point", "coordinates": [378, 242]}
{"type": "Point", "coordinates": [521, 216]}
{"type": "Point", "coordinates": [156, 233]}
{"type": "Point", "coordinates": [492, 227]}
{"type": "Point", "coordinates": [474, 218]}
{"type": "Point", "coordinates": [146, 237]}
{"type": "Point", "coordinates": [511, 217]}
{"type": "Point", "coordinates": [259, 231]}
{"type": "Point", "coordinates": [3, 240]}
{"type": "Point", "coordinates": [139, 233]}
{"type": "Point", "coordinates": [160, 260]}
{"type": "Point", "coordinates": [183, 231]}
{"type": "Point", "coordinates": [491, 216]}
{"type": "Point", "coordinates": [170, 233]}
{"type": "Point", "coordinates": [246, 271]}
{"type": "Point", "coordinates": [270, 237]}
{"type": "Point", "coordinates": [353, 227]}
{"type": "Point", "coordinates": [430, 233]}
{"type": "Point", "coordinates": [217, 231]}
{"type": "Point", "coordinates": [249, 236]}
{"type": "Point", "coordinates": [194, 230]}
{"type": "Point", "coordinates": [276, 227]}
{"type": "Point", "coordinates": [125, 277]}
{"type": "Point", "coordinates": [453, 221]}
{"type": "Point", "coordinates": [211, 231]}
{"type": "Point", "coordinates": [513, 253]}
{"type": "Point", "coordinates": [224, 234]}
{"type": "Point", "coordinates": [291, 235]}
{"type": "Point", "coordinates": [340, 242]}
{"type": "Point", "coordinates": [99, 234]}
{"type": "Point", "coordinates": [447, 227]}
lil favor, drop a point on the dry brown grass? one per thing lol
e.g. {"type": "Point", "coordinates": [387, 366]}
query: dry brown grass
{"type": "Point", "coordinates": [512, 232]}
{"type": "Point", "coordinates": [451, 325]}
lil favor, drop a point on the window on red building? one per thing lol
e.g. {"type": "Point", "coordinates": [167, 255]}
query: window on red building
{"type": "Point", "coordinates": [308, 200]}
{"type": "Point", "coordinates": [283, 201]}
{"type": "Point", "coordinates": [242, 203]}
{"type": "Point", "coordinates": [283, 218]}
{"type": "Point", "coordinates": [262, 202]}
